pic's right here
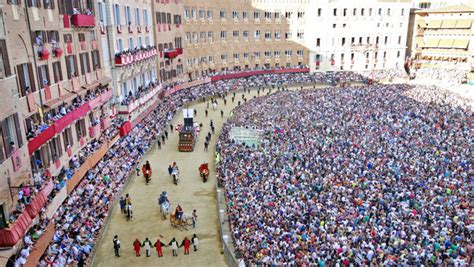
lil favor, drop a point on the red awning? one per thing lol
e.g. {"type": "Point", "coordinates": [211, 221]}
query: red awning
{"type": "Point", "coordinates": [9, 237]}
{"type": "Point", "coordinates": [38, 202]}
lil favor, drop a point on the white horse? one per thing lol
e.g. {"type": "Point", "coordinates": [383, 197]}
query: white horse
{"type": "Point", "coordinates": [165, 209]}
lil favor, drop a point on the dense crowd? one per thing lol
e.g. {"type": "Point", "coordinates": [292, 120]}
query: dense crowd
{"type": "Point", "coordinates": [79, 219]}
{"type": "Point", "coordinates": [141, 91]}
{"type": "Point", "coordinates": [363, 176]}
{"type": "Point", "coordinates": [386, 74]}
{"type": "Point", "coordinates": [448, 76]}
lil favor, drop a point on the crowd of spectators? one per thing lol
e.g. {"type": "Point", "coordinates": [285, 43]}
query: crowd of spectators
{"type": "Point", "coordinates": [444, 75]}
{"type": "Point", "coordinates": [79, 219]}
{"type": "Point", "coordinates": [387, 75]}
{"type": "Point", "coordinates": [57, 113]}
{"type": "Point", "coordinates": [360, 176]}
{"type": "Point", "coordinates": [141, 91]}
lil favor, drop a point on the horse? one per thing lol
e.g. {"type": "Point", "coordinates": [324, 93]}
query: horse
{"type": "Point", "coordinates": [185, 221]}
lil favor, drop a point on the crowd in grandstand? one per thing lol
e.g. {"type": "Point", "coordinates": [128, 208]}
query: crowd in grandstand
{"type": "Point", "coordinates": [79, 220]}
{"type": "Point", "coordinates": [447, 76]}
{"type": "Point", "coordinates": [361, 176]}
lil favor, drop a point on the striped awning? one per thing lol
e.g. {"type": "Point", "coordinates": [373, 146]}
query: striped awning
{"type": "Point", "coordinates": [445, 43]}
{"type": "Point", "coordinates": [431, 43]}
{"type": "Point", "coordinates": [435, 24]}
{"type": "Point", "coordinates": [463, 23]}
{"type": "Point", "coordinates": [449, 24]}
{"type": "Point", "coordinates": [461, 44]}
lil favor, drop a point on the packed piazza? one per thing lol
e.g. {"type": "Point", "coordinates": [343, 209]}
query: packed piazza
{"type": "Point", "coordinates": [351, 173]}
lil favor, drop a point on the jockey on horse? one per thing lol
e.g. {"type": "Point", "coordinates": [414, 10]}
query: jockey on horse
{"type": "Point", "coordinates": [146, 169]}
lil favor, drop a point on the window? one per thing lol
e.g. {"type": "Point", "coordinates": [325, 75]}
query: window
{"type": "Point", "coordinates": [362, 11]}
{"type": "Point", "coordinates": [334, 12]}
{"type": "Point", "coordinates": [277, 14]}
{"type": "Point", "coordinates": [256, 55]}
{"type": "Point", "coordinates": [380, 12]}
{"type": "Point", "coordinates": [71, 66]}
{"type": "Point", "coordinates": [354, 12]}
{"type": "Point", "coordinates": [300, 34]}
{"type": "Point", "coordinates": [256, 15]}
{"type": "Point", "coordinates": [137, 16]}
{"type": "Point", "coordinates": [85, 64]}
{"type": "Point", "coordinates": [288, 14]}
{"type": "Point", "coordinates": [288, 35]}
{"type": "Point", "coordinates": [288, 53]}
{"type": "Point", "coordinates": [4, 61]}
{"type": "Point", "coordinates": [128, 16]}
{"type": "Point", "coordinates": [211, 59]}
{"type": "Point", "coordinates": [268, 14]}
{"type": "Point", "coordinates": [117, 14]}
{"type": "Point", "coordinates": [223, 57]}
{"type": "Point", "coordinates": [235, 34]}
{"type": "Point", "coordinates": [319, 12]}
{"type": "Point", "coordinates": [386, 40]}
{"type": "Point", "coordinates": [268, 35]}
{"type": "Point", "coordinates": [245, 34]}
{"type": "Point", "coordinates": [235, 14]}
{"type": "Point", "coordinates": [276, 53]}
{"type": "Point", "coordinates": [388, 12]}
{"type": "Point", "coordinates": [301, 14]}
{"type": "Point", "coordinates": [210, 36]}
{"type": "Point", "coordinates": [343, 42]}
{"type": "Point", "coordinates": [318, 42]}
{"type": "Point", "coordinates": [11, 131]}
{"type": "Point", "coordinates": [81, 124]}
{"type": "Point", "coordinates": [245, 15]}
{"type": "Point", "coordinates": [403, 12]}
{"type": "Point", "coordinates": [43, 72]}
{"type": "Point", "coordinates": [370, 11]}
{"type": "Point", "coordinates": [209, 14]}
{"type": "Point", "coordinates": [57, 73]}
{"type": "Point", "coordinates": [222, 14]}
{"type": "Point", "coordinates": [55, 148]}
{"type": "Point", "coordinates": [95, 59]}
{"type": "Point", "coordinates": [300, 53]}
{"type": "Point", "coordinates": [236, 56]}
{"type": "Point", "coordinates": [268, 54]}
{"type": "Point", "coordinates": [67, 138]}
{"type": "Point", "coordinates": [193, 13]}
{"type": "Point", "coordinates": [186, 13]}
{"type": "Point", "coordinates": [202, 36]}
{"type": "Point", "coordinates": [344, 12]}
{"type": "Point", "coordinates": [25, 78]}
{"type": "Point", "coordinates": [277, 35]}
{"type": "Point", "coordinates": [257, 34]}
{"type": "Point", "coordinates": [48, 4]}
{"type": "Point", "coordinates": [398, 54]}
{"type": "Point", "coordinates": [202, 14]}
{"type": "Point", "coordinates": [33, 3]}
{"type": "Point", "coordinates": [334, 26]}
{"type": "Point", "coordinates": [13, 2]}
{"type": "Point", "coordinates": [399, 39]}
{"type": "Point", "coordinates": [223, 34]}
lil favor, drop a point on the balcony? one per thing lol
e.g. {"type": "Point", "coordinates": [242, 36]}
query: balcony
{"type": "Point", "coordinates": [94, 131]}
{"type": "Point", "coordinates": [133, 105]}
{"type": "Point", "coordinates": [128, 58]}
{"type": "Point", "coordinates": [171, 54]}
{"type": "Point", "coordinates": [65, 121]}
{"type": "Point", "coordinates": [82, 20]}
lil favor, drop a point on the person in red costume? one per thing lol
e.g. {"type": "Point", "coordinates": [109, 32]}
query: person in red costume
{"type": "Point", "coordinates": [159, 245]}
{"type": "Point", "coordinates": [187, 244]}
{"type": "Point", "coordinates": [136, 246]}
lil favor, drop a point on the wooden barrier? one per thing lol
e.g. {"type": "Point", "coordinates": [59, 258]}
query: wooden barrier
{"type": "Point", "coordinates": [40, 246]}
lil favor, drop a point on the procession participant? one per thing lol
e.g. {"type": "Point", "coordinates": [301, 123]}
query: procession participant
{"type": "Point", "coordinates": [148, 245]}
{"type": "Point", "coordinates": [174, 247]}
{"type": "Point", "coordinates": [116, 242]}
{"type": "Point", "coordinates": [195, 242]}
{"type": "Point", "coordinates": [187, 244]}
{"type": "Point", "coordinates": [159, 247]}
{"type": "Point", "coordinates": [136, 247]}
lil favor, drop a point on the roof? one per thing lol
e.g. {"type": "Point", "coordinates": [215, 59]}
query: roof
{"type": "Point", "coordinates": [449, 9]}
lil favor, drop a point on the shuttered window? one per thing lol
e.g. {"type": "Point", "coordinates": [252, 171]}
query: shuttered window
{"type": "Point", "coordinates": [25, 78]}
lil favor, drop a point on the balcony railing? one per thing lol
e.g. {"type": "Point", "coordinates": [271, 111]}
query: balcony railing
{"type": "Point", "coordinates": [131, 58]}
{"type": "Point", "coordinates": [171, 54]}
{"type": "Point", "coordinates": [59, 125]}
{"type": "Point", "coordinates": [129, 108]}
{"type": "Point", "coordinates": [82, 20]}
